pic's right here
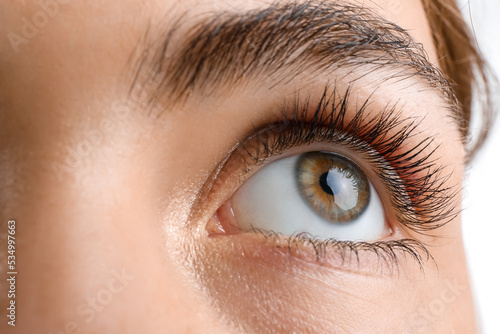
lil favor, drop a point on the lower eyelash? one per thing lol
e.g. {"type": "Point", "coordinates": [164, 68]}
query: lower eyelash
{"type": "Point", "coordinates": [388, 252]}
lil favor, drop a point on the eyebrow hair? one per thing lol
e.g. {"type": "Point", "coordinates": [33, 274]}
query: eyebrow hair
{"type": "Point", "coordinates": [280, 42]}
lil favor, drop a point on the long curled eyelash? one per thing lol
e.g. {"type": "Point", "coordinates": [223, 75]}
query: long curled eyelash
{"type": "Point", "coordinates": [387, 252]}
{"type": "Point", "coordinates": [416, 183]}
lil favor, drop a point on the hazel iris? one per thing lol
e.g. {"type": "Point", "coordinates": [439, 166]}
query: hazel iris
{"type": "Point", "coordinates": [334, 186]}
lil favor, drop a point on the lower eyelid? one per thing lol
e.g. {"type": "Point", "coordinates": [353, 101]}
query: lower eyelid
{"type": "Point", "coordinates": [284, 253]}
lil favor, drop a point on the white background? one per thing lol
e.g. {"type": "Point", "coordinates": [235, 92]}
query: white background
{"type": "Point", "coordinates": [482, 192]}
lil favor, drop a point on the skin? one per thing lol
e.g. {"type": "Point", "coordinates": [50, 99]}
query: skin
{"type": "Point", "coordinates": [110, 245]}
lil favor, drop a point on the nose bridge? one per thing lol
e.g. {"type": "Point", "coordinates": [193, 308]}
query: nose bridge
{"type": "Point", "coordinates": [70, 230]}
{"type": "Point", "coordinates": [65, 227]}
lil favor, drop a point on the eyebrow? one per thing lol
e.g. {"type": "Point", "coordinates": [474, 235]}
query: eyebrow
{"type": "Point", "coordinates": [278, 43]}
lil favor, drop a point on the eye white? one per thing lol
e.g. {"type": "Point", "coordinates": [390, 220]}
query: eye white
{"type": "Point", "coordinates": [270, 200]}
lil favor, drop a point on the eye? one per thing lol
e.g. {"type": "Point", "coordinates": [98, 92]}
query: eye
{"type": "Point", "coordinates": [323, 194]}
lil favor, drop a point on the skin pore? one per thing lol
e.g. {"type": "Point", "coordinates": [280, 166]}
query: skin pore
{"type": "Point", "coordinates": [121, 146]}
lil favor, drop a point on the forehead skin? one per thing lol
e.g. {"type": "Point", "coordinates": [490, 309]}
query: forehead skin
{"type": "Point", "coordinates": [110, 220]}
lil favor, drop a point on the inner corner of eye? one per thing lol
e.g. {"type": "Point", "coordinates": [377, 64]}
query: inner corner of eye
{"type": "Point", "coordinates": [319, 193]}
{"type": "Point", "coordinates": [223, 221]}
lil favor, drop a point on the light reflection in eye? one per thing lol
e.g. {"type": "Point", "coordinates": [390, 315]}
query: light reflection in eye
{"type": "Point", "coordinates": [320, 193]}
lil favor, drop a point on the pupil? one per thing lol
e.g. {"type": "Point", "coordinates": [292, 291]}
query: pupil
{"type": "Point", "coordinates": [323, 182]}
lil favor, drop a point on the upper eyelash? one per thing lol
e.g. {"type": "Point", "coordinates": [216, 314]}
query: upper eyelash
{"type": "Point", "coordinates": [430, 203]}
